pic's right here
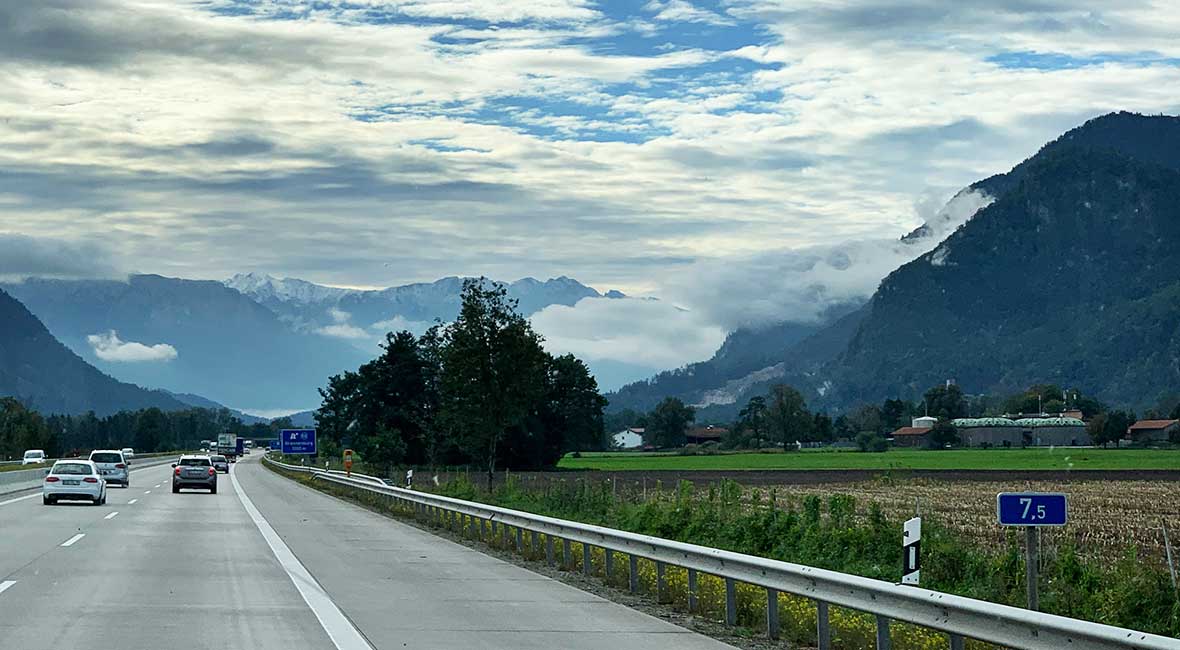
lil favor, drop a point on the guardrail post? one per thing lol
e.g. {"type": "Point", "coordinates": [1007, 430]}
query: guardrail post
{"type": "Point", "coordinates": [549, 550]}
{"type": "Point", "coordinates": [692, 591]}
{"type": "Point", "coordinates": [587, 567]}
{"type": "Point", "coordinates": [956, 642]}
{"type": "Point", "coordinates": [536, 543]}
{"type": "Point", "coordinates": [567, 559]}
{"type": "Point", "coordinates": [609, 561]}
{"type": "Point", "coordinates": [883, 632]}
{"type": "Point", "coordinates": [519, 540]}
{"type": "Point", "coordinates": [823, 630]}
{"type": "Point", "coordinates": [633, 572]}
{"type": "Point", "coordinates": [730, 602]}
{"type": "Point", "coordinates": [772, 613]}
{"type": "Point", "coordinates": [661, 582]}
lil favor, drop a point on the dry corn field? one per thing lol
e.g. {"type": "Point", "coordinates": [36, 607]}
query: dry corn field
{"type": "Point", "coordinates": [1105, 517]}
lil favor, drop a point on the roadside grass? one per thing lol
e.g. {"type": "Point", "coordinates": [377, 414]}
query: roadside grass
{"type": "Point", "coordinates": [1035, 458]}
{"type": "Point", "coordinates": [835, 533]}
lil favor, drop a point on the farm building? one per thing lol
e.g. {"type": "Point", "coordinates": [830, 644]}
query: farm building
{"type": "Point", "coordinates": [701, 435]}
{"type": "Point", "coordinates": [988, 432]}
{"type": "Point", "coordinates": [1154, 430]}
{"type": "Point", "coordinates": [910, 436]}
{"type": "Point", "coordinates": [1053, 431]}
{"type": "Point", "coordinates": [629, 438]}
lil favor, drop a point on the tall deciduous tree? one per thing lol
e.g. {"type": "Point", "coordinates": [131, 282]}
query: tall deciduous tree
{"type": "Point", "coordinates": [787, 417]}
{"type": "Point", "coordinates": [668, 422]}
{"type": "Point", "coordinates": [492, 374]}
{"type": "Point", "coordinates": [946, 402]}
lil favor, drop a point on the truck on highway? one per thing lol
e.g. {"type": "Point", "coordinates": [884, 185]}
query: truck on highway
{"type": "Point", "coordinates": [229, 446]}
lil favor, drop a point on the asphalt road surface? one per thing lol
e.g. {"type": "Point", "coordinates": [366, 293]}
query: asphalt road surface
{"type": "Point", "coordinates": [268, 563]}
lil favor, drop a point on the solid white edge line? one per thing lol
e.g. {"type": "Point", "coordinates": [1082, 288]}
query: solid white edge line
{"type": "Point", "coordinates": [339, 629]}
{"type": "Point", "coordinates": [28, 496]}
{"type": "Point", "coordinates": [6, 584]}
{"type": "Point", "coordinates": [73, 540]}
{"type": "Point", "coordinates": [112, 515]}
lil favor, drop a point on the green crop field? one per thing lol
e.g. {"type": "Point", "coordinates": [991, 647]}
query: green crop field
{"type": "Point", "coordinates": [1061, 458]}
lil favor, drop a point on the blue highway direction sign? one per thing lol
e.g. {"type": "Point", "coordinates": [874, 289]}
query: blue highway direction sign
{"type": "Point", "coordinates": [297, 441]}
{"type": "Point", "coordinates": [1031, 509]}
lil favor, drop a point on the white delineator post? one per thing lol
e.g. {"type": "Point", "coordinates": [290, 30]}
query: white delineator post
{"type": "Point", "coordinates": [911, 541]}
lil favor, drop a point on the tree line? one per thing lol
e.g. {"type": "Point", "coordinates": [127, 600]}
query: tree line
{"type": "Point", "coordinates": [781, 417]}
{"type": "Point", "coordinates": [478, 391]}
{"type": "Point", "coordinates": [147, 430]}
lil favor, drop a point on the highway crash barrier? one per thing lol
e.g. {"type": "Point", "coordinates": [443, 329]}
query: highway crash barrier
{"type": "Point", "coordinates": [959, 617]}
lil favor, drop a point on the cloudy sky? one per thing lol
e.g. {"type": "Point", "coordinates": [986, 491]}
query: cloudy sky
{"type": "Point", "coordinates": [665, 147]}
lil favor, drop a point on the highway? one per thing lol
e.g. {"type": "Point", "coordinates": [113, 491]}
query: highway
{"type": "Point", "coordinates": [268, 563]}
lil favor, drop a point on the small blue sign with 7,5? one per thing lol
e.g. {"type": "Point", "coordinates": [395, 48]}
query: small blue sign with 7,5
{"type": "Point", "coordinates": [297, 441]}
{"type": "Point", "coordinates": [1031, 509]}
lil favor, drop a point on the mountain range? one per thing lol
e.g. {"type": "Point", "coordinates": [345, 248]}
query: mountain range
{"type": "Point", "coordinates": [1070, 274]}
{"type": "Point", "coordinates": [359, 314]}
{"type": "Point", "coordinates": [37, 369]}
{"type": "Point", "coordinates": [255, 342]}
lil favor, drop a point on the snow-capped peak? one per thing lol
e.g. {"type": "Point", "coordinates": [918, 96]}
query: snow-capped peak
{"type": "Point", "coordinates": [261, 286]}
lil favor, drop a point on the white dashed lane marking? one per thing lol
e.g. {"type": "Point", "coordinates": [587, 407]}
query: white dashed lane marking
{"type": "Point", "coordinates": [73, 540]}
{"type": "Point", "coordinates": [6, 584]}
{"type": "Point", "coordinates": [147, 492]}
{"type": "Point", "coordinates": [132, 502]}
{"type": "Point", "coordinates": [112, 515]}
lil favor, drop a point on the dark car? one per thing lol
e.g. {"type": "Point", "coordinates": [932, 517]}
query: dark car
{"type": "Point", "coordinates": [220, 463]}
{"type": "Point", "coordinates": [194, 472]}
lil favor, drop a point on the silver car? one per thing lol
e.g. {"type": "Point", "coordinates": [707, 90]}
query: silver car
{"type": "Point", "coordinates": [194, 472]}
{"type": "Point", "coordinates": [73, 479]}
{"type": "Point", "coordinates": [112, 465]}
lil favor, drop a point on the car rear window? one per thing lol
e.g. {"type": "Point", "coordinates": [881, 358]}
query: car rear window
{"type": "Point", "coordinates": [218, 459]}
{"type": "Point", "coordinates": [71, 469]}
{"type": "Point", "coordinates": [34, 454]}
{"type": "Point", "coordinates": [195, 461]}
{"type": "Point", "coordinates": [108, 457]}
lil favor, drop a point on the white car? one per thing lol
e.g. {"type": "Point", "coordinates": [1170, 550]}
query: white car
{"type": "Point", "coordinates": [128, 454]}
{"type": "Point", "coordinates": [74, 479]}
{"type": "Point", "coordinates": [33, 457]}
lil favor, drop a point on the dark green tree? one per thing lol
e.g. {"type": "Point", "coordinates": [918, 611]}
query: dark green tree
{"type": "Point", "coordinates": [787, 417]}
{"type": "Point", "coordinates": [942, 434]}
{"type": "Point", "coordinates": [668, 422]}
{"type": "Point", "coordinates": [492, 373]}
{"type": "Point", "coordinates": [946, 402]}
{"type": "Point", "coordinates": [895, 413]}
{"type": "Point", "coordinates": [822, 429]}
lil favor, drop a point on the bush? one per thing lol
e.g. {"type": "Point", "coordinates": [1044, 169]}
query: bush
{"type": "Point", "coordinates": [871, 441]}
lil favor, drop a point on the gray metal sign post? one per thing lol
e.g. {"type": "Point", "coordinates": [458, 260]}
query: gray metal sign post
{"type": "Point", "coordinates": [1031, 510]}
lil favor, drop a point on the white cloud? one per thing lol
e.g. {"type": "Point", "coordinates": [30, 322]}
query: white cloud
{"type": "Point", "coordinates": [401, 323]}
{"type": "Point", "coordinates": [798, 285]}
{"type": "Point", "coordinates": [108, 347]}
{"type": "Point", "coordinates": [344, 331]}
{"type": "Point", "coordinates": [629, 330]}
{"type": "Point", "coordinates": [685, 12]}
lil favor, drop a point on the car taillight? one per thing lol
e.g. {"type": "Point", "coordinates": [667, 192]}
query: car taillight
{"type": "Point", "coordinates": [52, 479]}
{"type": "Point", "coordinates": [90, 479]}
{"type": "Point", "coordinates": [212, 471]}
{"type": "Point", "coordinates": [120, 466]}
{"type": "Point", "coordinates": [177, 472]}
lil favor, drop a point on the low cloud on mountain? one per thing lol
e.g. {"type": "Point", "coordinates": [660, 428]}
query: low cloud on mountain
{"type": "Point", "coordinates": [109, 347]}
{"type": "Point", "coordinates": [649, 333]}
{"type": "Point", "coordinates": [798, 285]}
{"type": "Point", "coordinates": [22, 256]}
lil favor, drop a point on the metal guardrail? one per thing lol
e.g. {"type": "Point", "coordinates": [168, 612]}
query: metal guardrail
{"type": "Point", "coordinates": [959, 617]}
